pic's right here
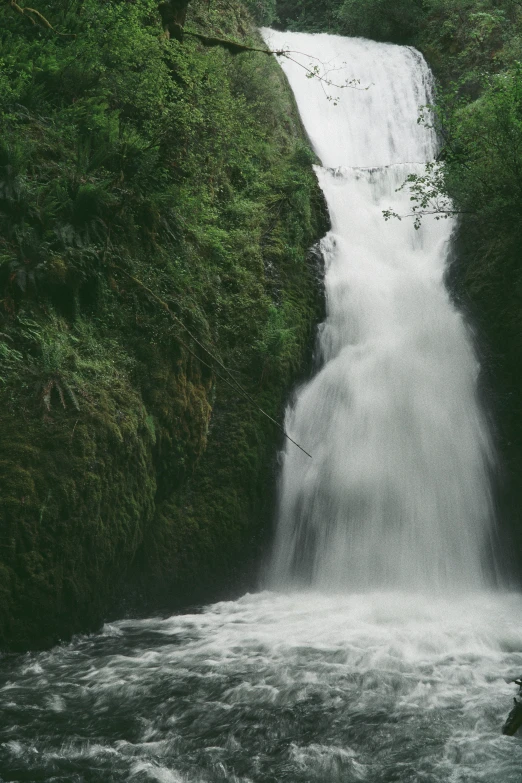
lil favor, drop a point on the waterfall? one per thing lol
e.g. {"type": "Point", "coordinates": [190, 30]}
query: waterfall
{"type": "Point", "coordinates": [370, 676]}
{"type": "Point", "coordinates": [397, 493]}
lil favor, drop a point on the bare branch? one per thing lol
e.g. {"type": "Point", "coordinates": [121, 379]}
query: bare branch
{"type": "Point", "coordinates": [35, 17]}
{"type": "Point", "coordinates": [237, 48]}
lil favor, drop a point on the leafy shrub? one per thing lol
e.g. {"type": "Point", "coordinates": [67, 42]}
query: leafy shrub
{"type": "Point", "coordinates": [263, 11]}
{"type": "Point", "coordinates": [380, 19]}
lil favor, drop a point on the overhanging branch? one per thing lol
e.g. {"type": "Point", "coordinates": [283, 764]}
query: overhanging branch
{"type": "Point", "coordinates": [35, 17]}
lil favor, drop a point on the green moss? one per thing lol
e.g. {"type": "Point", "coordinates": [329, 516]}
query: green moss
{"type": "Point", "coordinates": [148, 187]}
{"type": "Point", "coordinates": [78, 489]}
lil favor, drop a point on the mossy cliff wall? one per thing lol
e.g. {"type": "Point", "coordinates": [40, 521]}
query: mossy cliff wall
{"type": "Point", "coordinates": [147, 187]}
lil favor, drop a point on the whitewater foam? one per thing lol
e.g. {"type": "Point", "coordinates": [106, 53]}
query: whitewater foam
{"type": "Point", "coordinates": [397, 493]}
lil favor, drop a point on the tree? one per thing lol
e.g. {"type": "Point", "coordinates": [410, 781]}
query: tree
{"type": "Point", "coordinates": [173, 15]}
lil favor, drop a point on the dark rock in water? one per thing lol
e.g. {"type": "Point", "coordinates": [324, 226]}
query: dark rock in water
{"type": "Point", "coordinates": [514, 720]}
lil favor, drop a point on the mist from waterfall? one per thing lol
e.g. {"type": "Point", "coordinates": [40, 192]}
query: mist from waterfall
{"type": "Point", "coordinates": [397, 494]}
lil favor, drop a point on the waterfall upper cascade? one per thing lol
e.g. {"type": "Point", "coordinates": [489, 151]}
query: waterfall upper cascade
{"type": "Point", "coordinates": [397, 493]}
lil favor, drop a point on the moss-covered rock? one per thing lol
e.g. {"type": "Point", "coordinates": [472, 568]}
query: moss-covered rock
{"type": "Point", "coordinates": [157, 202]}
{"type": "Point", "coordinates": [78, 490]}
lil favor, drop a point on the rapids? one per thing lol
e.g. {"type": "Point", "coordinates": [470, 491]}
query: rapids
{"type": "Point", "coordinates": [374, 687]}
{"type": "Point", "coordinates": [386, 653]}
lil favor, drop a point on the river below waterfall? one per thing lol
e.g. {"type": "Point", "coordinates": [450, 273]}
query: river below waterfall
{"type": "Point", "coordinates": [375, 687]}
{"type": "Point", "coordinates": [385, 656]}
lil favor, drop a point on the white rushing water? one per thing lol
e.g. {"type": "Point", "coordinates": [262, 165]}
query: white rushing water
{"type": "Point", "coordinates": [303, 688]}
{"type": "Point", "coordinates": [397, 493]}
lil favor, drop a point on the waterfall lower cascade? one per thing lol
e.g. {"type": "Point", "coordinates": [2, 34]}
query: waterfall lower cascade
{"type": "Point", "coordinates": [397, 493]}
{"type": "Point", "coordinates": [369, 674]}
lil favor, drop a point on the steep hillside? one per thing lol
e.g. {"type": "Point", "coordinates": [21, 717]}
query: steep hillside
{"type": "Point", "coordinates": [157, 203]}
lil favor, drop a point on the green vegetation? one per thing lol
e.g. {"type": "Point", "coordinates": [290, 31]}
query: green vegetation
{"type": "Point", "coordinates": [475, 49]}
{"type": "Point", "coordinates": [263, 11]}
{"type": "Point", "coordinates": [147, 186]}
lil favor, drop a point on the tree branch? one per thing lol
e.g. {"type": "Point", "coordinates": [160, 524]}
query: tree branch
{"type": "Point", "coordinates": [31, 13]}
{"type": "Point", "coordinates": [237, 48]}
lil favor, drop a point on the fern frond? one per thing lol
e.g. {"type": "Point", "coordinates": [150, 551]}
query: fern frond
{"type": "Point", "coordinates": [46, 395]}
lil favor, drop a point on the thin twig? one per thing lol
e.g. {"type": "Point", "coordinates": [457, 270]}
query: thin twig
{"type": "Point", "coordinates": [237, 48]}
{"type": "Point", "coordinates": [234, 384]}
